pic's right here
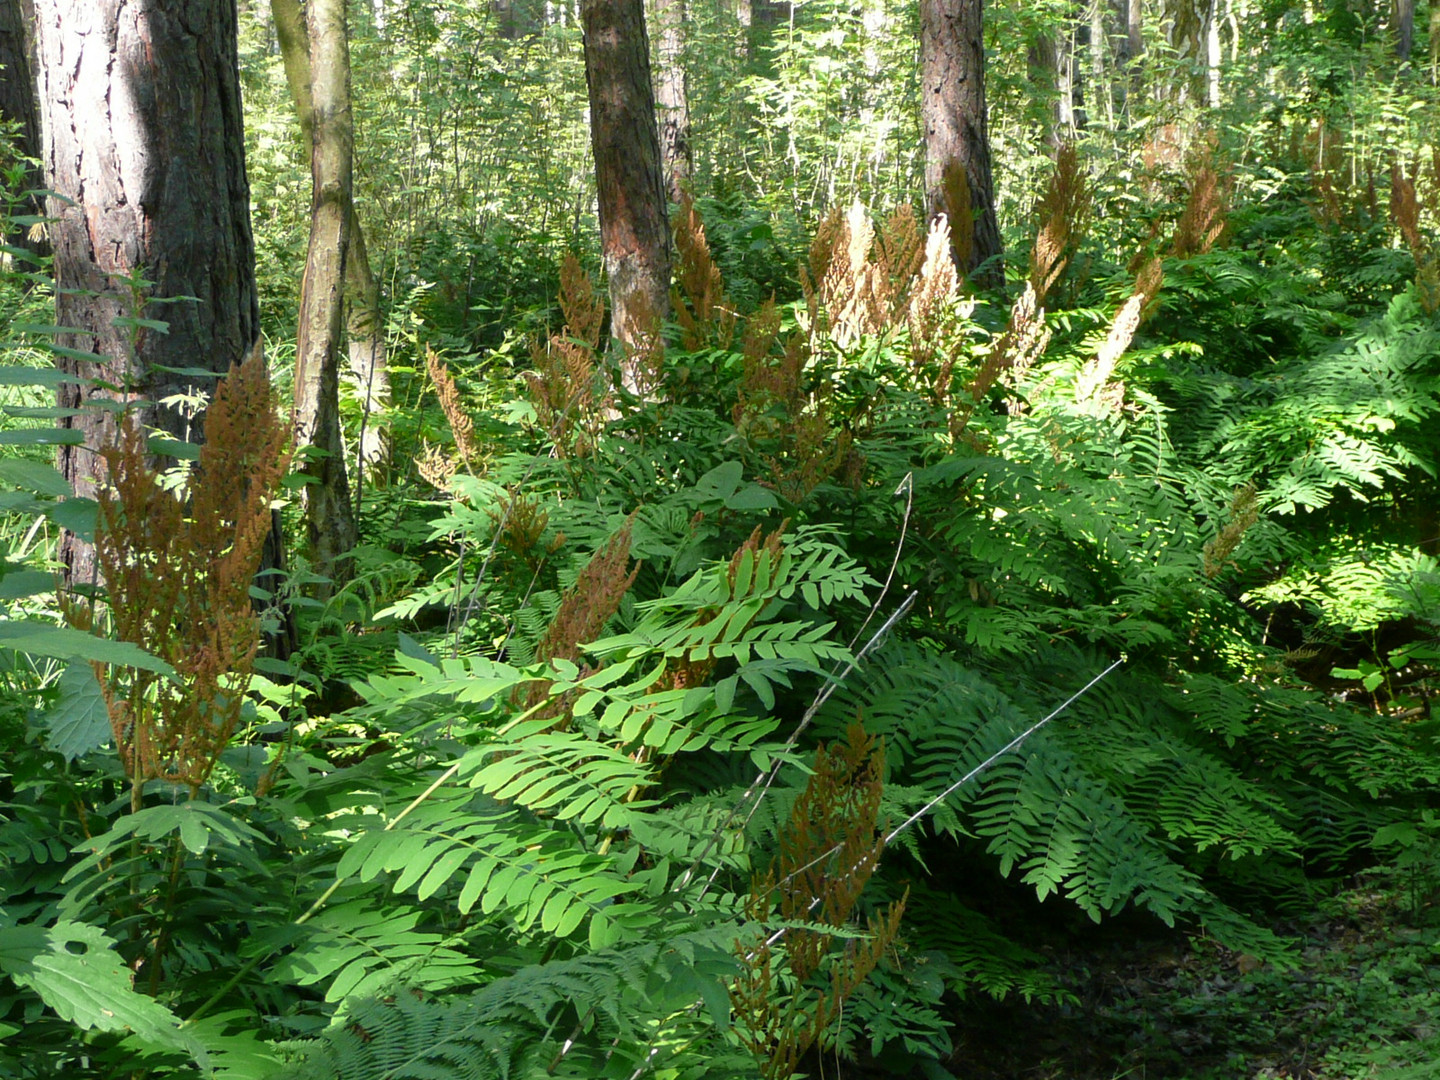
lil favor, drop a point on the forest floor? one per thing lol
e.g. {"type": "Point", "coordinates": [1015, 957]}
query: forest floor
{"type": "Point", "coordinates": [1363, 1001]}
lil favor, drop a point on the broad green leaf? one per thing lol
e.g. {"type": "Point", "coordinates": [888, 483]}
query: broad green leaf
{"type": "Point", "coordinates": [42, 437]}
{"type": "Point", "coordinates": [34, 476]}
{"type": "Point", "coordinates": [41, 412]}
{"type": "Point", "coordinates": [176, 448]}
{"type": "Point", "coordinates": [67, 643]}
{"type": "Point", "coordinates": [34, 376]}
{"type": "Point", "coordinates": [50, 329]}
{"type": "Point", "coordinates": [76, 514]}
{"type": "Point", "coordinates": [19, 584]}
{"type": "Point", "coordinates": [78, 722]}
{"type": "Point", "coordinates": [752, 497]}
{"type": "Point", "coordinates": [76, 972]}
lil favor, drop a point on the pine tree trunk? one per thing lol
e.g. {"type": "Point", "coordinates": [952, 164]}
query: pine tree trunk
{"type": "Point", "coordinates": [330, 522]}
{"type": "Point", "coordinates": [671, 102]}
{"type": "Point", "coordinates": [952, 109]}
{"type": "Point", "coordinates": [634, 229]}
{"type": "Point", "coordinates": [144, 144]}
{"type": "Point", "coordinates": [18, 106]}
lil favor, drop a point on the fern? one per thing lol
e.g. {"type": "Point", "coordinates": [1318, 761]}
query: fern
{"type": "Point", "coordinates": [511, 1028]}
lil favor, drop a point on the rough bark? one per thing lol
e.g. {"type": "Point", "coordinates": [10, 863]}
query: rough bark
{"type": "Point", "coordinates": [144, 143]}
{"type": "Point", "coordinates": [18, 105]}
{"type": "Point", "coordinates": [634, 228]}
{"type": "Point", "coordinates": [953, 112]}
{"type": "Point", "coordinates": [329, 518]}
{"type": "Point", "coordinates": [672, 104]}
{"type": "Point", "coordinates": [368, 368]}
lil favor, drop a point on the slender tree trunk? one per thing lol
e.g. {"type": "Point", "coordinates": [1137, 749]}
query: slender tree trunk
{"type": "Point", "coordinates": [145, 147]}
{"type": "Point", "coordinates": [369, 365]}
{"type": "Point", "coordinates": [672, 105]}
{"type": "Point", "coordinates": [330, 522]}
{"type": "Point", "coordinates": [957, 138]}
{"type": "Point", "coordinates": [634, 229]}
{"type": "Point", "coordinates": [18, 105]}
{"type": "Point", "coordinates": [1052, 78]}
{"type": "Point", "coordinates": [1404, 16]}
{"type": "Point", "coordinates": [1212, 54]}
{"type": "Point", "coordinates": [368, 369]}
{"type": "Point", "coordinates": [1101, 97]}
{"type": "Point", "coordinates": [1134, 31]}
{"type": "Point", "coordinates": [1187, 29]}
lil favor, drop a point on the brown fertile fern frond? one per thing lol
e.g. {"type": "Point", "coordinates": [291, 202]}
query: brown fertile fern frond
{"type": "Point", "coordinates": [698, 297]}
{"type": "Point", "coordinates": [461, 426]}
{"type": "Point", "coordinates": [1405, 209]}
{"type": "Point", "coordinates": [850, 291]}
{"type": "Point", "coordinates": [592, 601]}
{"type": "Point", "coordinates": [932, 296]}
{"type": "Point", "coordinates": [178, 582]}
{"type": "Point", "coordinates": [1203, 222]}
{"type": "Point", "coordinates": [521, 522]}
{"type": "Point", "coordinates": [960, 209]}
{"type": "Point", "coordinates": [565, 387]}
{"type": "Point", "coordinates": [583, 309]}
{"type": "Point", "coordinates": [1095, 376]}
{"type": "Point", "coordinates": [1244, 512]}
{"type": "Point", "coordinates": [765, 383]}
{"type": "Point", "coordinates": [1011, 355]}
{"type": "Point", "coordinates": [584, 610]}
{"type": "Point", "coordinates": [1062, 212]}
{"type": "Point", "coordinates": [900, 255]}
{"type": "Point", "coordinates": [829, 849]}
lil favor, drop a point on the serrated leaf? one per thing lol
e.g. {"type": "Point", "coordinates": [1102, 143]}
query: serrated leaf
{"type": "Point", "coordinates": [78, 721]}
{"type": "Point", "coordinates": [76, 972]}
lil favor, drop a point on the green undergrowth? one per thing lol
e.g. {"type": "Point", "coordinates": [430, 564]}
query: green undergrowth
{"type": "Point", "coordinates": [1110, 617]}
